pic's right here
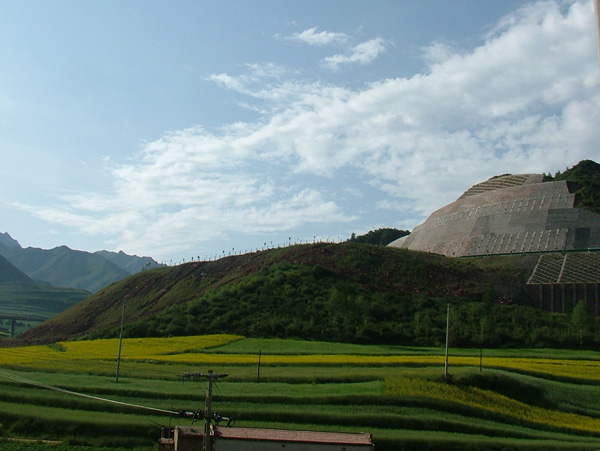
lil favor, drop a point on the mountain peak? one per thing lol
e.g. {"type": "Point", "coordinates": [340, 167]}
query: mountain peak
{"type": "Point", "coordinates": [8, 241]}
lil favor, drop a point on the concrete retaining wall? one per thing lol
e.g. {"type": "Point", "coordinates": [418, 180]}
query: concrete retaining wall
{"type": "Point", "coordinates": [503, 217]}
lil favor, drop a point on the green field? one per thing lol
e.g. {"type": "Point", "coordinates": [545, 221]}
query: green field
{"type": "Point", "coordinates": [518, 399]}
{"type": "Point", "coordinates": [34, 300]}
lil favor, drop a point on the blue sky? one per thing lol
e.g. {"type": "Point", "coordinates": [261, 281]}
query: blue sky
{"type": "Point", "coordinates": [188, 129]}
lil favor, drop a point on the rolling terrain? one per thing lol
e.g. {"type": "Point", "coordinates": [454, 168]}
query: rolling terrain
{"type": "Point", "coordinates": [344, 292]}
{"type": "Point", "coordinates": [340, 292]}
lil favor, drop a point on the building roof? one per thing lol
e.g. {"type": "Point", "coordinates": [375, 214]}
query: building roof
{"type": "Point", "coordinates": [284, 435]}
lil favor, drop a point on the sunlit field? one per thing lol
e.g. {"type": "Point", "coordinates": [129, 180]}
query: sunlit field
{"type": "Point", "coordinates": [492, 399]}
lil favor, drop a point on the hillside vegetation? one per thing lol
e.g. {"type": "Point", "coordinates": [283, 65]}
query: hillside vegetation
{"type": "Point", "coordinates": [381, 237]}
{"type": "Point", "coordinates": [585, 179]}
{"type": "Point", "coordinates": [333, 292]}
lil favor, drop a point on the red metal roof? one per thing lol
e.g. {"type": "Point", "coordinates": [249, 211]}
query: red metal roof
{"type": "Point", "coordinates": [287, 435]}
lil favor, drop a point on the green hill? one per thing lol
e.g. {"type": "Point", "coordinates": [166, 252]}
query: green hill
{"type": "Point", "coordinates": [584, 177]}
{"type": "Point", "coordinates": [381, 237]}
{"type": "Point", "coordinates": [10, 273]}
{"type": "Point", "coordinates": [334, 292]}
{"type": "Point", "coordinates": [350, 292]}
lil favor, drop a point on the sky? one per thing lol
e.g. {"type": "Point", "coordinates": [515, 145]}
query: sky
{"type": "Point", "coordinates": [195, 129]}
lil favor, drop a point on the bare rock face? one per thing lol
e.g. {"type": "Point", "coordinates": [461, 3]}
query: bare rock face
{"type": "Point", "coordinates": [508, 214]}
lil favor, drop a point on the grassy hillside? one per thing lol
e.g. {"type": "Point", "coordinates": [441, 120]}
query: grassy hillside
{"type": "Point", "coordinates": [334, 292]}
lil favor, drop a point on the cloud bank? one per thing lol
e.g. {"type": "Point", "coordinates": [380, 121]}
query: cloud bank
{"type": "Point", "coordinates": [526, 100]}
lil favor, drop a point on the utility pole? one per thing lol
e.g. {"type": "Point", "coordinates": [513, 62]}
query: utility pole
{"type": "Point", "coordinates": [208, 416]}
{"type": "Point", "coordinates": [120, 343]}
{"type": "Point", "coordinates": [447, 328]}
{"type": "Point", "coordinates": [482, 322]}
{"type": "Point", "coordinates": [259, 356]}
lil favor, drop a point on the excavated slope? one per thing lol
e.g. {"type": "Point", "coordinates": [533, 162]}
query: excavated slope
{"type": "Point", "coordinates": [508, 214]}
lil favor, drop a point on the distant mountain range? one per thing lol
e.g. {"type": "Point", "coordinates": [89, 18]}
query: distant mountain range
{"type": "Point", "coordinates": [10, 273]}
{"type": "Point", "coordinates": [65, 267]}
{"type": "Point", "coordinates": [23, 299]}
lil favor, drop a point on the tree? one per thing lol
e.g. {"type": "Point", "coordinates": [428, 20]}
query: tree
{"type": "Point", "coordinates": [379, 237]}
{"type": "Point", "coordinates": [580, 319]}
{"type": "Point", "coordinates": [490, 296]}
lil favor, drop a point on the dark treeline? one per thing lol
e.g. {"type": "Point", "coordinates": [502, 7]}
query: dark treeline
{"type": "Point", "coordinates": [379, 237]}
{"type": "Point", "coordinates": [585, 182]}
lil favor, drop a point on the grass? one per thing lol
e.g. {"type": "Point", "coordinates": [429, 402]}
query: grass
{"type": "Point", "coordinates": [544, 401]}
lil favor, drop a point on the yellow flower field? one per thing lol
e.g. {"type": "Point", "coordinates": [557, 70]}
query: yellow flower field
{"type": "Point", "coordinates": [144, 348]}
{"type": "Point", "coordinates": [133, 349]}
{"type": "Point", "coordinates": [490, 401]}
{"type": "Point", "coordinates": [192, 350]}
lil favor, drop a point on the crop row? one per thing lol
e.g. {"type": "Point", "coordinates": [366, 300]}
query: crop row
{"type": "Point", "coordinates": [384, 419]}
{"type": "Point", "coordinates": [398, 396]}
{"type": "Point", "coordinates": [487, 400]}
{"type": "Point", "coordinates": [192, 351]}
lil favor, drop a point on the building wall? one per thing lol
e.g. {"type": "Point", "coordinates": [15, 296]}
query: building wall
{"type": "Point", "coordinates": [562, 297]}
{"type": "Point", "coordinates": [250, 439]}
{"type": "Point", "coordinates": [253, 445]}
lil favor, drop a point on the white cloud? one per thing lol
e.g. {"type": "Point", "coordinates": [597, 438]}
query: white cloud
{"type": "Point", "coordinates": [261, 81]}
{"type": "Point", "coordinates": [526, 100]}
{"type": "Point", "coordinates": [314, 37]}
{"type": "Point", "coordinates": [438, 52]}
{"type": "Point", "coordinates": [363, 53]}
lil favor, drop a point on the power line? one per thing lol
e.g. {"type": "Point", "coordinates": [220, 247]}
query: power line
{"type": "Point", "coordinates": [21, 379]}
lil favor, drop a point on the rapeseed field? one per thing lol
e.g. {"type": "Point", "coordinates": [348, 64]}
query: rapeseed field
{"type": "Point", "coordinates": [394, 393]}
{"type": "Point", "coordinates": [198, 350]}
{"type": "Point", "coordinates": [486, 400]}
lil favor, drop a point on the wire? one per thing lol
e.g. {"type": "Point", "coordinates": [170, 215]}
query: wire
{"type": "Point", "coordinates": [7, 375]}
